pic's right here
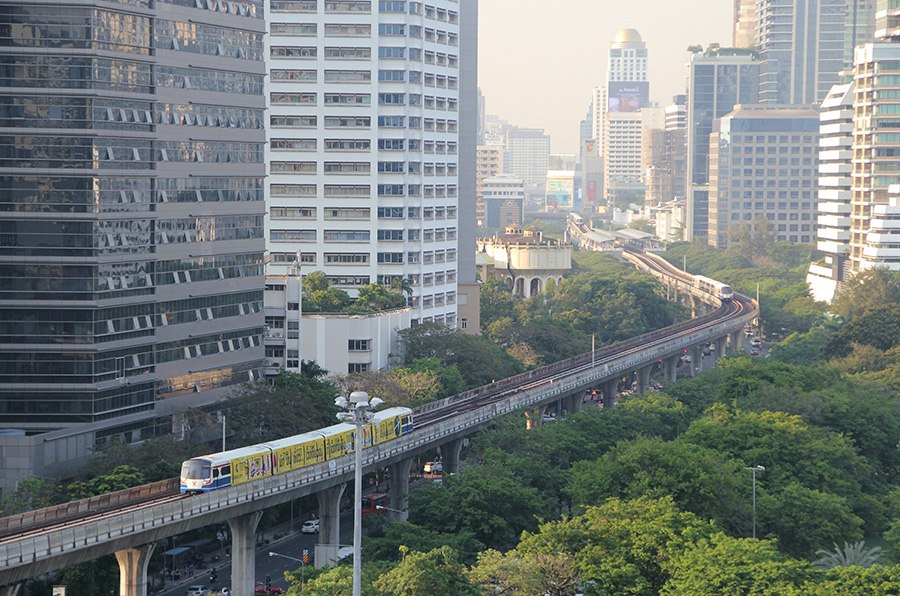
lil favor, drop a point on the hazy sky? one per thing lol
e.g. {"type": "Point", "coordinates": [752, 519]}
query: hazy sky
{"type": "Point", "coordinates": [538, 60]}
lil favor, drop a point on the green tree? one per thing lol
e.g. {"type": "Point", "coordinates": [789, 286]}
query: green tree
{"type": "Point", "coordinates": [385, 543]}
{"type": "Point", "coordinates": [402, 286]}
{"type": "Point", "coordinates": [878, 327]}
{"type": "Point", "coordinates": [30, 494]}
{"type": "Point", "coordinates": [620, 547]}
{"type": "Point", "coordinates": [852, 581]}
{"type": "Point", "coordinates": [497, 301]}
{"type": "Point", "coordinates": [120, 478]}
{"type": "Point", "coordinates": [375, 297]}
{"type": "Point", "coordinates": [724, 565]}
{"type": "Point", "coordinates": [293, 404]}
{"type": "Point", "coordinates": [525, 574]}
{"type": "Point", "coordinates": [479, 360]}
{"type": "Point", "coordinates": [450, 379]}
{"type": "Point", "coordinates": [493, 506]}
{"type": "Point", "coordinates": [803, 518]}
{"type": "Point", "coordinates": [865, 290]}
{"type": "Point", "coordinates": [789, 449]}
{"type": "Point", "coordinates": [436, 572]}
{"type": "Point", "coordinates": [700, 480]}
{"type": "Point", "coordinates": [336, 581]}
{"type": "Point", "coordinates": [315, 281]}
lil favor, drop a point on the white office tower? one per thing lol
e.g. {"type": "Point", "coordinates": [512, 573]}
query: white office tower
{"type": "Point", "coordinates": [835, 166]}
{"type": "Point", "coordinates": [626, 63]}
{"type": "Point", "coordinates": [364, 145]}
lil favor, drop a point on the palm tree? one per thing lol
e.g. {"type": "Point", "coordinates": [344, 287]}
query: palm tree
{"type": "Point", "coordinates": [855, 554]}
{"type": "Point", "coordinates": [402, 285]}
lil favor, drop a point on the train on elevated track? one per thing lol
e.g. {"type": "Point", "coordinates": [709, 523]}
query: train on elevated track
{"type": "Point", "coordinates": [247, 464]}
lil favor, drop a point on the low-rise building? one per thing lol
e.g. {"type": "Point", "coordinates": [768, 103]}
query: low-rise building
{"type": "Point", "coordinates": [525, 259]}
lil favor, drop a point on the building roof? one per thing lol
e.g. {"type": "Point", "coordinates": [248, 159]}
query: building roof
{"type": "Point", "coordinates": [628, 36]}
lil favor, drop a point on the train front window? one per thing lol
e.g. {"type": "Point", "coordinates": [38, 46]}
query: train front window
{"type": "Point", "coordinates": [195, 470]}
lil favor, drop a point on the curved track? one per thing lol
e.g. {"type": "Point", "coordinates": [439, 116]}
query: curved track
{"type": "Point", "coordinates": [54, 518]}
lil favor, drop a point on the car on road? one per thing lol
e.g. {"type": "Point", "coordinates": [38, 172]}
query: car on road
{"type": "Point", "coordinates": [433, 467]}
{"type": "Point", "coordinates": [310, 526]}
{"type": "Point", "coordinates": [755, 342]}
{"type": "Point", "coordinates": [754, 352]}
{"type": "Point", "coordinates": [196, 591]}
{"type": "Point", "coordinates": [548, 418]}
{"type": "Point", "coordinates": [260, 588]}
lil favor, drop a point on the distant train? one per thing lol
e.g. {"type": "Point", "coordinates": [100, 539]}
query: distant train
{"type": "Point", "coordinates": [710, 286]}
{"type": "Point", "coordinates": [246, 464]}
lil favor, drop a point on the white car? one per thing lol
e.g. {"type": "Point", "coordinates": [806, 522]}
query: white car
{"type": "Point", "coordinates": [196, 591]}
{"type": "Point", "coordinates": [310, 526]}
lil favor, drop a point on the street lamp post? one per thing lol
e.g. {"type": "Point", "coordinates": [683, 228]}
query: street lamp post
{"type": "Point", "coordinates": [302, 566]}
{"type": "Point", "coordinates": [753, 471]}
{"type": "Point", "coordinates": [357, 406]}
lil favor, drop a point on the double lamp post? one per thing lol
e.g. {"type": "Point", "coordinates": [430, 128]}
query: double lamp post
{"type": "Point", "coordinates": [358, 410]}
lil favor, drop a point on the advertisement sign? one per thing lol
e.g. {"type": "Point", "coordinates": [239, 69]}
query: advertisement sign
{"type": "Point", "coordinates": [628, 96]}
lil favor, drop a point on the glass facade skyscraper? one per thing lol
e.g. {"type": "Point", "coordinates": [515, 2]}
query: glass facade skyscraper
{"type": "Point", "coordinates": [131, 208]}
{"type": "Point", "coordinates": [716, 83]}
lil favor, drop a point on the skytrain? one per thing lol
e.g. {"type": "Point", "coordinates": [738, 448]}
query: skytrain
{"type": "Point", "coordinates": [247, 464]}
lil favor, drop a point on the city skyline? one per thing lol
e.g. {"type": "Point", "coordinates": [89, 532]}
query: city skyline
{"type": "Point", "coordinates": [511, 80]}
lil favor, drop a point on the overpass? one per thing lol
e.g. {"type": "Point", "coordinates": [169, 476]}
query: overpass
{"type": "Point", "coordinates": [129, 523]}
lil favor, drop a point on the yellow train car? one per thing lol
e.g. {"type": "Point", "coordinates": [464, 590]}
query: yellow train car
{"type": "Point", "coordinates": [250, 463]}
{"type": "Point", "coordinates": [390, 424]}
{"type": "Point", "coordinates": [298, 451]}
{"type": "Point", "coordinates": [338, 440]}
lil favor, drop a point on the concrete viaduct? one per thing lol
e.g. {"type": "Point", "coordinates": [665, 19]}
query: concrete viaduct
{"type": "Point", "coordinates": [132, 532]}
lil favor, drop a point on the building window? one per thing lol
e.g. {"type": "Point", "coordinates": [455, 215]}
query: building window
{"type": "Point", "coordinates": [359, 345]}
{"type": "Point", "coordinates": [358, 367]}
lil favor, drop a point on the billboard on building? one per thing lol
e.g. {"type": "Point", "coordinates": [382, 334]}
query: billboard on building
{"type": "Point", "coordinates": [628, 96]}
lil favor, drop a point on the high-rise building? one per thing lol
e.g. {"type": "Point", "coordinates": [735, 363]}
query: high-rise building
{"type": "Point", "coordinates": [779, 185]}
{"type": "Point", "coordinates": [744, 23]}
{"type": "Point", "coordinates": [526, 157]}
{"type": "Point", "coordinates": [589, 175]}
{"type": "Point", "coordinates": [617, 106]}
{"type": "Point", "coordinates": [132, 219]}
{"type": "Point", "coordinates": [858, 208]}
{"type": "Point", "coordinates": [804, 46]}
{"type": "Point", "coordinates": [655, 158]}
{"type": "Point", "coordinates": [488, 163]}
{"type": "Point", "coordinates": [471, 130]}
{"type": "Point", "coordinates": [504, 199]}
{"type": "Point", "coordinates": [834, 193]}
{"type": "Point", "coordinates": [676, 148]}
{"type": "Point", "coordinates": [366, 163]}
{"type": "Point", "coordinates": [876, 160]}
{"type": "Point", "coordinates": [716, 83]}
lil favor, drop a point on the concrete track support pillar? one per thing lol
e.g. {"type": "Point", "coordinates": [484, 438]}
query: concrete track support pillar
{"type": "Point", "coordinates": [400, 490]}
{"type": "Point", "coordinates": [735, 338]}
{"type": "Point", "coordinates": [610, 389]}
{"type": "Point", "coordinates": [670, 368]}
{"type": "Point", "coordinates": [450, 454]}
{"type": "Point", "coordinates": [721, 346]}
{"type": "Point", "coordinates": [329, 525]}
{"type": "Point", "coordinates": [643, 378]}
{"type": "Point", "coordinates": [243, 552]}
{"type": "Point", "coordinates": [575, 402]}
{"type": "Point", "coordinates": [16, 590]}
{"type": "Point", "coordinates": [696, 359]}
{"type": "Point", "coordinates": [133, 570]}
